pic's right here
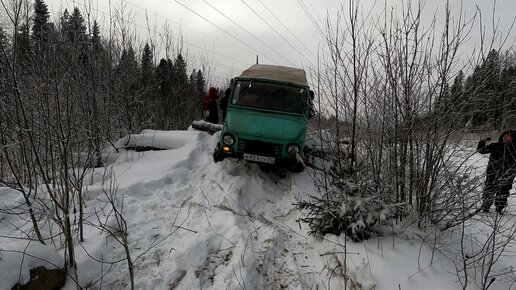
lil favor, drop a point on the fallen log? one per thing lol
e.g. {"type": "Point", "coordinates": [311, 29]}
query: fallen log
{"type": "Point", "coordinates": [206, 126]}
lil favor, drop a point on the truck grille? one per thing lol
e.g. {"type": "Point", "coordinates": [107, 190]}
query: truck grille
{"type": "Point", "coordinates": [260, 148]}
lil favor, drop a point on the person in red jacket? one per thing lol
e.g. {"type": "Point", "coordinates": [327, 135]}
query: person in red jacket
{"type": "Point", "coordinates": [210, 107]}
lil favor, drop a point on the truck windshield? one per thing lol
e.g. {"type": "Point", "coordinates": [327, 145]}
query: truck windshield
{"type": "Point", "coordinates": [271, 96]}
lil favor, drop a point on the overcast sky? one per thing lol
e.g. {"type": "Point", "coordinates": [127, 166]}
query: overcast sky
{"type": "Point", "coordinates": [226, 35]}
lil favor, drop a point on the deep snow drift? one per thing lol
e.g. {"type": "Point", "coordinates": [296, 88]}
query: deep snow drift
{"type": "Point", "coordinates": [194, 224]}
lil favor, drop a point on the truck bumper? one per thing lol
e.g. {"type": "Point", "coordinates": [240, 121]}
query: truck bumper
{"type": "Point", "coordinates": [294, 163]}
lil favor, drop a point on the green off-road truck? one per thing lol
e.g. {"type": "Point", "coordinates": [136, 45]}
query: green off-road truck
{"type": "Point", "coordinates": [266, 117]}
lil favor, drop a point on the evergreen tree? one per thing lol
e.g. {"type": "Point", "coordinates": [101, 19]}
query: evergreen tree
{"type": "Point", "coordinates": [3, 44]}
{"type": "Point", "coordinates": [508, 91]}
{"type": "Point", "coordinates": [192, 91]}
{"type": "Point", "coordinates": [494, 100]}
{"type": "Point", "coordinates": [3, 62]}
{"type": "Point", "coordinates": [23, 49]}
{"type": "Point", "coordinates": [171, 70]}
{"type": "Point", "coordinates": [75, 28]}
{"type": "Point", "coordinates": [457, 89]}
{"type": "Point", "coordinates": [96, 41]}
{"type": "Point", "coordinates": [171, 101]}
{"type": "Point", "coordinates": [127, 88]}
{"type": "Point", "coordinates": [180, 76]}
{"type": "Point", "coordinates": [163, 74]}
{"type": "Point", "coordinates": [191, 78]}
{"type": "Point", "coordinates": [200, 85]}
{"type": "Point", "coordinates": [200, 90]}
{"type": "Point", "coordinates": [75, 31]}
{"type": "Point", "coordinates": [470, 93]}
{"type": "Point", "coordinates": [40, 27]}
{"type": "Point", "coordinates": [147, 66]}
{"type": "Point", "coordinates": [491, 70]}
{"type": "Point", "coordinates": [63, 21]}
{"type": "Point", "coordinates": [483, 91]}
{"type": "Point", "coordinates": [147, 86]}
{"type": "Point", "coordinates": [185, 103]}
{"type": "Point", "coordinates": [457, 100]}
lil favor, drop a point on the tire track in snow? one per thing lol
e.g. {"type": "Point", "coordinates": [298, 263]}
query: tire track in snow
{"type": "Point", "coordinates": [284, 255]}
{"type": "Point", "coordinates": [278, 260]}
{"type": "Point", "coordinates": [223, 218]}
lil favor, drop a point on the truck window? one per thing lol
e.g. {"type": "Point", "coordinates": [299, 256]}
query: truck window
{"type": "Point", "coordinates": [271, 96]}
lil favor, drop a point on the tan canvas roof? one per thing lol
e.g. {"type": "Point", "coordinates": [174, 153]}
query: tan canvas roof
{"type": "Point", "coordinates": [276, 72]}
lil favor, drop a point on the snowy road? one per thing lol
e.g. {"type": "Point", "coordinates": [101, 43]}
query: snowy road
{"type": "Point", "coordinates": [229, 223]}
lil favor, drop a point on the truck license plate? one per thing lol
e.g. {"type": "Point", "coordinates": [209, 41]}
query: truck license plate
{"type": "Point", "coordinates": [258, 158]}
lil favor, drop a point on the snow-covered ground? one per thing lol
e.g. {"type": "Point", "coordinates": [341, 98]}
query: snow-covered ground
{"type": "Point", "coordinates": [195, 224]}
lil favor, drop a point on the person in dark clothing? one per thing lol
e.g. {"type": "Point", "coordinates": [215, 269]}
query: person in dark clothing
{"type": "Point", "coordinates": [501, 170]}
{"type": "Point", "coordinates": [210, 107]}
{"type": "Point", "coordinates": [224, 103]}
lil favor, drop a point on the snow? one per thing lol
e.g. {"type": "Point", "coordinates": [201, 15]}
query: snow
{"type": "Point", "coordinates": [18, 257]}
{"type": "Point", "coordinates": [194, 224]}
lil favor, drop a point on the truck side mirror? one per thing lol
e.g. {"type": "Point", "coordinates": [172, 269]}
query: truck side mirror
{"type": "Point", "coordinates": [311, 94]}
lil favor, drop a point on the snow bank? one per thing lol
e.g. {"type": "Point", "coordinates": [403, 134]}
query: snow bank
{"type": "Point", "coordinates": [18, 257]}
{"type": "Point", "coordinates": [155, 139]}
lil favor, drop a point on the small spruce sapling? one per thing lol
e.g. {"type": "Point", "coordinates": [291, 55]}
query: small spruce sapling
{"type": "Point", "coordinates": [355, 208]}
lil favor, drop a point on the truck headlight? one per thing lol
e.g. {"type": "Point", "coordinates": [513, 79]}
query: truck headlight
{"type": "Point", "coordinates": [292, 149]}
{"type": "Point", "coordinates": [228, 140]}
